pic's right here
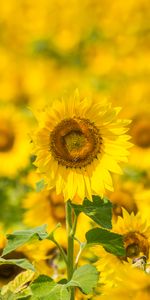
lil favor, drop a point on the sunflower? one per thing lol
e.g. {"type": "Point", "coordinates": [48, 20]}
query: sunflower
{"type": "Point", "coordinates": [136, 232]}
{"type": "Point", "coordinates": [124, 196]}
{"type": "Point", "coordinates": [14, 144]}
{"type": "Point", "coordinates": [140, 132]}
{"type": "Point", "coordinates": [44, 207]}
{"type": "Point", "coordinates": [133, 196]}
{"type": "Point", "coordinates": [139, 112]}
{"type": "Point", "coordinates": [78, 143]}
{"type": "Point", "coordinates": [47, 259]}
{"type": "Point", "coordinates": [49, 208]}
{"type": "Point", "coordinates": [132, 284]}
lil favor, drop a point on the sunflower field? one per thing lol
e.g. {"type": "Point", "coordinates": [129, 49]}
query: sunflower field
{"type": "Point", "coordinates": [74, 150]}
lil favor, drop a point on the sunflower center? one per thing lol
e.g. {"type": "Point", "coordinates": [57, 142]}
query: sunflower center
{"type": "Point", "coordinates": [140, 132]}
{"type": "Point", "coordinates": [57, 206]}
{"type": "Point", "coordinates": [136, 244]}
{"type": "Point", "coordinates": [125, 199]}
{"type": "Point", "coordinates": [75, 143]}
{"type": "Point", "coordinates": [132, 250]}
{"type": "Point", "coordinates": [6, 138]}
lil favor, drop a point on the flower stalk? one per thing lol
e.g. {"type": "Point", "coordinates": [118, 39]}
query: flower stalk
{"type": "Point", "coordinates": [70, 252]}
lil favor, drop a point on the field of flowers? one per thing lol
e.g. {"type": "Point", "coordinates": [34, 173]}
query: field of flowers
{"type": "Point", "coordinates": [74, 150]}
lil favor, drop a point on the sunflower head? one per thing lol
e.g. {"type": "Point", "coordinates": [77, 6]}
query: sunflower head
{"type": "Point", "coordinates": [44, 207]}
{"type": "Point", "coordinates": [14, 144]}
{"type": "Point", "coordinates": [46, 256]}
{"type": "Point", "coordinates": [140, 131]}
{"type": "Point", "coordinates": [136, 232]}
{"type": "Point", "coordinates": [78, 144]}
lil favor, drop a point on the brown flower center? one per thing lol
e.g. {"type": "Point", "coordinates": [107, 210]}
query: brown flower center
{"type": "Point", "coordinates": [57, 206]}
{"type": "Point", "coordinates": [125, 199]}
{"type": "Point", "coordinates": [75, 143]}
{"type": "Point", "coordinates": [6, 137]}
{"type": "Point", "coordinates": [140, 131]}
{"type": "Point", "coordinates": [136, 244]}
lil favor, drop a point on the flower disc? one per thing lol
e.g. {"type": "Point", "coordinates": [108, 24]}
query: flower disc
{"type": "Point", "coordinates": [75, 143]}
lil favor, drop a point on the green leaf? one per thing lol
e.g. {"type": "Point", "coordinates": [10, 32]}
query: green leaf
{"type": "Point", "coordinates": [42, 286]}
{"type": "Point", "coordinates": [19, 238]}
{"type": "Point", "coordinates": [98, 210]}
{"type": "Point", "coordinates": [86, 278]}
{"type": "Point", "coordinates": [20, 296]}
{"type": "Point", "coordinates": [8, 296]}
{"type": "Point", "coordinates": [112, 242]}
{"type": "Point", "coordinates": [25, 295]}
{"type": "Point", "coordinates": [22, 263]}
{"type": "Point", "coordinates": [59, 292]}
{"type": "Point", "coordinates": [40, 185]}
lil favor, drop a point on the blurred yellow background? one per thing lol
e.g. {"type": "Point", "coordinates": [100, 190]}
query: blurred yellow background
{"type": "Point", "coordinates": [48, 48]}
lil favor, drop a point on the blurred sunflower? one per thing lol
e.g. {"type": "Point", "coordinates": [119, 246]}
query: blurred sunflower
{"type": "Point", "coordinates": [124, 196]}
{"type": "Point", "coordinates": [44, 207]}
{"type": "Point", "coordinates": [48, 259]}
{"type": "Point", "coordinates": [48, 207]}
{"type": "Point", "coordinates": [78, 143]}
{"type": "Point", "coordinates": [132, 284]}
{"type": "Point", "coordinates": [138, 110]}
{"type": "Point", "coordinates": [136, 232]}
{"type": "Point", "coordinates": [14, 144]}
{"type": "Point", "coordinates": [140, 132]}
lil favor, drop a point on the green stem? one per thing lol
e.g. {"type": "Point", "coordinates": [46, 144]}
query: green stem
{"type": "Point", "coordinates": [82, 246]}
{"type": "Point", "coordinates": [70, 251]}
{"type": "Point", "coordinates": [74, 225]}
